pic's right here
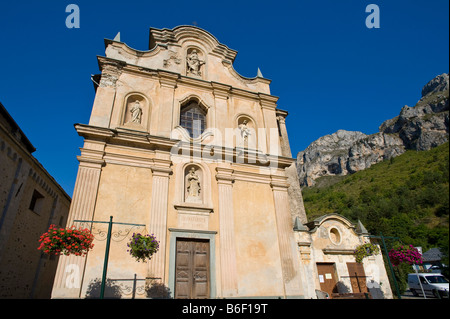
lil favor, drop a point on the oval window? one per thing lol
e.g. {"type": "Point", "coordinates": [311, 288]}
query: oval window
{"type": "Point", "coordinates": [335, 236]}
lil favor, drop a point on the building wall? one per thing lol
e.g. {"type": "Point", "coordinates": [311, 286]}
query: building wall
{"type": "Point", "coordinates": [137, 171]}
{"type": "Point", "coordinates": [257, 248]}
{"type": "Point", "coordinates": [24, 271]}
{"type": "Point", "coordinates": [318, 244]}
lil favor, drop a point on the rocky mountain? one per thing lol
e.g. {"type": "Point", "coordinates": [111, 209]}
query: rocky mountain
{"type": "Point", "coordinates": [421, 127]}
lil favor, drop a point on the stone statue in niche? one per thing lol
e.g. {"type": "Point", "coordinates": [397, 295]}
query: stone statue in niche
{"type": "Point", "coordinates": [194, 63]}
{"type": "Point", "coordinates": [136, 113]}
{"type": "Point", "coordinates": [193, 186]}
{"type": "Point", "coordinates": [245, 131]}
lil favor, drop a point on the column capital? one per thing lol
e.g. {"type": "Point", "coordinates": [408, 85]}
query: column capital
{"type": "Point", "coordinates": [168, 79]}
{"type": "Point", "coordinates": [267, 101]}
{"type": "Point", "coordinates": [279, 183]}
{"type": "Point", "coordinates": [221, 90]}
{"type": "Point", "coordinates": [161, 167]}
{"type": "Point", "coordinates": [224, 175]}
{"type": "Point", "coordinates": [111, 71]}
{"type": "Point", "coordinates": [161, 171]}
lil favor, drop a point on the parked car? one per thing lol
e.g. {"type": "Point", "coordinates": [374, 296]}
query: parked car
{"type": "Point", "coordinates": [433, 283]}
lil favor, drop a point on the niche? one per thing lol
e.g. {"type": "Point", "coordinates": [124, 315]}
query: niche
{"type": "Point", "coordinates": [136, 112]}
{"type": "Point", "coordinates": [193, 184]}
{"type": "Point", "coordinates": [246, 132]}
{"type": "Point", "coordinates": [195, 62]}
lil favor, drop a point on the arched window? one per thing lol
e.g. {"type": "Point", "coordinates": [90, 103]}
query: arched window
{"type": "Point", "coordinates": [193, 119]}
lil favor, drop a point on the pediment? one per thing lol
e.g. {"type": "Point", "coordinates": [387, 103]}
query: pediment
{"type": "Point", "coordinates": [191, 52]}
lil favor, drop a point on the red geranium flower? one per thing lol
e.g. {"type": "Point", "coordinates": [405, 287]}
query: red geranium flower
{"type": "Point", "coordinates": [58, 241]}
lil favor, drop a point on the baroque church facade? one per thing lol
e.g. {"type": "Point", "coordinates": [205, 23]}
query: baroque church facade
{"type": "Point", "coordinates": [183, 147]}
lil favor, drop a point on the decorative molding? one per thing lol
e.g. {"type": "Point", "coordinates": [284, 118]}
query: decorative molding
{"type": "Point", "coordinates": [279, 183]}
{"type": "Point", "coordinates": [193, 208]}
{"type": "Point", "coordinates": [224, 175]}
{"type": "Point", "coordinates": [305, 250]}
{"type": "Point", "coordinates": [268, 101]}
{"type": "Point", "coordinates": [220, 90]}
{"type": "Point", "coordinates": [111, 71]}
{"type": "Point", "coordinates": [168, 79]}
{"type": "Point", "coordinates": [183, 230]}
{"type": "Point", "coordinates": [229, 65]}
{"type": "Point", "coordinates": [125, 48]}
{"type": "Point", "coordinates": [129, 160]}
{"type": "Point", "coordinates": [315, 224]}
{"type": "Point", "coordinates": [332, 251]}
{"type": "Point", "coordinates": [173, 58]}
{"type": "Point", "coordinates": [304, 244]}
{"type": "Point", "coordinates": [180, 34]}
{"type": "Point", "coordinates": [251, 177]}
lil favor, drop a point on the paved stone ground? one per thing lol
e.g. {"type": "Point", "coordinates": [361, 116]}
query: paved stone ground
{"type": "Point", "coordinates": [408, 295]}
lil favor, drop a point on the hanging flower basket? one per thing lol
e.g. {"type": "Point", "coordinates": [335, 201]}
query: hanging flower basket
{"type": "Point", "coordinates": [365, 250]}
{"type": "Point", "coordinates": [142, 247]}
{"type": "Point", "coordinates": [404, 254]}
{"type": "Point", "coordinates": [66, 241]}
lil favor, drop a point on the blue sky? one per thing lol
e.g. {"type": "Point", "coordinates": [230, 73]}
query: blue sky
{"type": "Point", "coordinates": [330, 71]}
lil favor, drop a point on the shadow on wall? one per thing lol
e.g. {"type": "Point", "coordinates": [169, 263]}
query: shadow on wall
{"type": "Point", "coordinates": [158, 291]}
{"type": "Point", "coordinates": [127, 288]}
{"type": "Point", "coordinates": [373, 287]}
{"type": "Point", "coordinates": [112, 290]}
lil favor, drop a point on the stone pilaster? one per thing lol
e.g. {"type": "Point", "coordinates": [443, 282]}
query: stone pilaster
{"type": "Point", "coordinates": [69, 274]}
{"type": "Point", "coordinates": [157, 224]}
{"type": "Point", "coordinates": [271, 143]}
{"type": "Point", "coordinates": [285, 148]}
{"type": "Point", "coordinates": [168, 84]}
{"type": "Point", "coordinates": [106, 93]}
{"type": "Point", "coordinates": [286, 240]}
{"type": "Point", "coordinates": [220, 112]}
{"type": "Point", "coordinates": [228, 268]}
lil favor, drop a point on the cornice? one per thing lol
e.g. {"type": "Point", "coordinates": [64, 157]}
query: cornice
{"type": "Point", "coordinates": [193, 208]}
{"type": "Point", "coordinates": [120, 136]}
{"type": "Point", "coordinates": [182, 33]}
{"type": "Point", "coordinates": [335, 251]}
{"type": "Point", "coordinates": [89, 131]}
{"type": "Point", "coordinates": [138, 53]}
{"type": "Point", "coordinates": [173, 79]}
{"type": "Point", "coordinates": [229, 65]}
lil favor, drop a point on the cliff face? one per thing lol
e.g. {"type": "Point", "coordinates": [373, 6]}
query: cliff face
{"type": "Point", "coordinates": [424, 126]}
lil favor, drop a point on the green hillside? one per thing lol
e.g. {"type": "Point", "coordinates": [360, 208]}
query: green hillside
{"type": "Point", "coordinates": [406, 197]}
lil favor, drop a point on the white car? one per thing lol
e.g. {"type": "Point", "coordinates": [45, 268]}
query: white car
{"type": "Point", "coordinates": [433, 283]}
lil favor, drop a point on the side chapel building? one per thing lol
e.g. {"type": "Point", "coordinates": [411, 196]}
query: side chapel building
{"type": "Point", "coordinates": [180, 142]}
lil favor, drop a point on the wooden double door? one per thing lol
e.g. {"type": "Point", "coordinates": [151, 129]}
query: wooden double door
{"type": "Point", "coordinates": [192, 277]}
{"type": "Point", "coordinates": [329, 281]}
{"type": "Point", "coordinates": [357, 277]}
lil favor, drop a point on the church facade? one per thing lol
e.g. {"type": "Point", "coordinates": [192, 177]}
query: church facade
{"type": "Point", "coordinates": [181, 146]}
